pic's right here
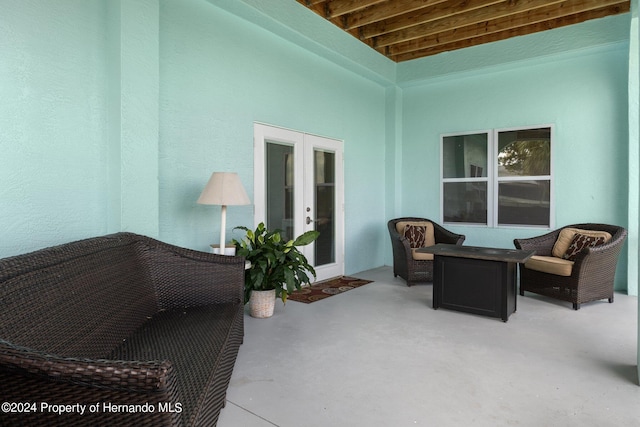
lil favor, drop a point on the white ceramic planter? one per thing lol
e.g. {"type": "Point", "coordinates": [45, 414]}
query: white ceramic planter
{"type": "Point", "coordinates": [261, 303]}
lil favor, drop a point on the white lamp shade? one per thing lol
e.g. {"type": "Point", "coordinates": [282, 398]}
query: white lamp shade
{"type": "Point", "coordinates": [224, 188]}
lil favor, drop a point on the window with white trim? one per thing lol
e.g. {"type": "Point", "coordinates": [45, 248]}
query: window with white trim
{"type": "Point", "coordinates": [497, 178]}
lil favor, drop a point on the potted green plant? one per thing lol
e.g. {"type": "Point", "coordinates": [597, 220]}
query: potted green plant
{"type": "Point", "coordinates": [277, 267]}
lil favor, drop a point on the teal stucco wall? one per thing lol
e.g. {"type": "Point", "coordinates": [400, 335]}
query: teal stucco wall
{"type": "Point", "coordinates": [53, 116]}
{"type": "Point", "coordinates": [219, 75]}
{"type": "Point", "coordinates": [115, 112]}
{"type": "Point", "coordinates": [582, 94]}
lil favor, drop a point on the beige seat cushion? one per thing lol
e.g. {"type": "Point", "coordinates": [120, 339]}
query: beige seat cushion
{"type": "Point", "coordinates": [429, 237]}
{"type": "Point", "coordinates": [421, 256]}
{"type": "Point", "coordinates": [566, 237]}
{"type": "Point", "coordinates": [550, 264]}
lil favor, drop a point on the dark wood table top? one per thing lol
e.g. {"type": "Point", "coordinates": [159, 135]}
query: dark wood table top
{"type": "Point", "coordinates": [478, 252]}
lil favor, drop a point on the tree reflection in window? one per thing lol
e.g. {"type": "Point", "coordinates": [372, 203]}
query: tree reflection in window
{"type": "Point", "coordinates": [524, 171]}
{"type": "Point", "coordinates": [524, 152]}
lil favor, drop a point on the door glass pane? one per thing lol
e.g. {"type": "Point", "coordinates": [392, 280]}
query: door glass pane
{"type": "Point", "coordinates": [324, 184]}
{"type": "Point", "coordinates": [464, 156]}
{"type": "Point", "coordinates": [279, 197]}
{"type": "Point", "coordinates": [465, 202]}
{"type": "Point", "coordinates": [524, 202]}
{"type": "Point", "coordinates": [524, 152]}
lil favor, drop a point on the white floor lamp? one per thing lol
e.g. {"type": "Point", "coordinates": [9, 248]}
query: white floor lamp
{"type": "Point", "coordinates": [224, 188]}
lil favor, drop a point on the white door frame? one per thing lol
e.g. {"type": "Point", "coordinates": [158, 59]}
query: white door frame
{"type": "Point", "coordinates": [303, 150]}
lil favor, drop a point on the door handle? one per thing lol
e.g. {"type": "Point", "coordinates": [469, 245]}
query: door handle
{"type": "Point", "coordinates": [309, 220]}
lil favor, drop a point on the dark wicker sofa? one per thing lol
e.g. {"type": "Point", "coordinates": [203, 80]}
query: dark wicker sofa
{"type": "Point", "coordinates": [128, 330]}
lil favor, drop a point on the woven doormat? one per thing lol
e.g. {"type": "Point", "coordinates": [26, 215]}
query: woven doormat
{"type": "Point", "coordinates": [326, 288]}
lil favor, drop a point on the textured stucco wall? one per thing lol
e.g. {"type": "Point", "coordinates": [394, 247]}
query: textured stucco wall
{"type": "Point", "coordinates": [79, 113]}
{"type": "Point", "coordinates": [53, 122]}
{"type": "Point", "coordinates": [219, 75]}
{"type": "Point", "coordinates": [117, 121]}
{"type": "Point", "coordinates": [139, 98]}
{"type": "Point", "coordinates": [299, 25]}
{"type": "Point", "coordinates": [583, 94]}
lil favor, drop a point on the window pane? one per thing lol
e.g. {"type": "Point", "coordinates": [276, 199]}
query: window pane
{"type": "Point", "coordinates": [280, 187]}
{"type": "Point", "coordinates": [524, 203]}
{"type": "Point", "coordinates": [464, 156]}
{"type": "Point", "coordinates": [524, 152]}
{"type": "Point", "coordinates": [324, 166]}
{"type": "Point", "coordinates": [465, 202]}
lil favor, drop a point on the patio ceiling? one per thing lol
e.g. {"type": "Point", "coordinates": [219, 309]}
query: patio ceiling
{"type": "Point", "coordinates": [408, 29]}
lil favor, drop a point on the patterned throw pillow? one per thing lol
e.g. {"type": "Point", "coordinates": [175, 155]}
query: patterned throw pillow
{"type": "Point", "coordinates": [415, 234]}
{"type": "Point", "coordinates": [579, 242]}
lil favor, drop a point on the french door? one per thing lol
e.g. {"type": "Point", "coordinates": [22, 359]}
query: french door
{"type": "Point", "coordinates": [299, 186]}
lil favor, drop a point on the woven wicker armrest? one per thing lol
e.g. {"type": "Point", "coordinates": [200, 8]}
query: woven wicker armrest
{"type": "Point", "coordinates": [184, 277]}
{"type": "Point", "coordinates": [32, 378]}
{"type": "Point", "coordinates": [541, 244]}
{"type": "Point", "coordinates": [26, 365]}
{"type": "Point", "coordinates": [400, 246]}
{"type": "Point", "coordinates": [405, 243]}
{"type": "Point", "coordinates": [442, 235]}
{"type": "Point", "coordinates": [395, 235]}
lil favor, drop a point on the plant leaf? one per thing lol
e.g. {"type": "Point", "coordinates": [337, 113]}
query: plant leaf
{"type": "Point", "coordinates": [306, 238]}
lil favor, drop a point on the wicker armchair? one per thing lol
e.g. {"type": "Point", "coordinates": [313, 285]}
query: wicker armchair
{"type": "Point", "coordinates": [591, 275]}
{"type": "Point", "coordinates": [404, 265]}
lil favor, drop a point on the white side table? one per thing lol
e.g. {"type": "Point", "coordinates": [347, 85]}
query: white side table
{"type": "Point", "coordinates": [228, 249]}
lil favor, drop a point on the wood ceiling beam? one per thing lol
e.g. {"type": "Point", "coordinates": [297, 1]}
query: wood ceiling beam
{"type": "Point", "coordinates": [409, 29]}
{"type": "Point", "coordinates": [469, 17]}
{"type": "Point", "coordinates": [387, 10]}
{"type": "Point", "coordinates": [562, 12]}
{"type": "Point", "coordinates": [337, 8]}
{"type": "Point", "coordinates": [316, 6]}
{"type": "Point", "coordinates": [433, 12]}
{"type": "Point", "coordinates": [621, 7]}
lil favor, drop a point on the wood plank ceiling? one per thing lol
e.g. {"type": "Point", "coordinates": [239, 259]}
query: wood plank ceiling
{"type": "Point", "coordinates": [410, 29]}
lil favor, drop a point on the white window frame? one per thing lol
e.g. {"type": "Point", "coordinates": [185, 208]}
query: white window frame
{"type": "Point", "coordinates": [493, 180]}
{"type": "Point", "coordinates": [486, 179]}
